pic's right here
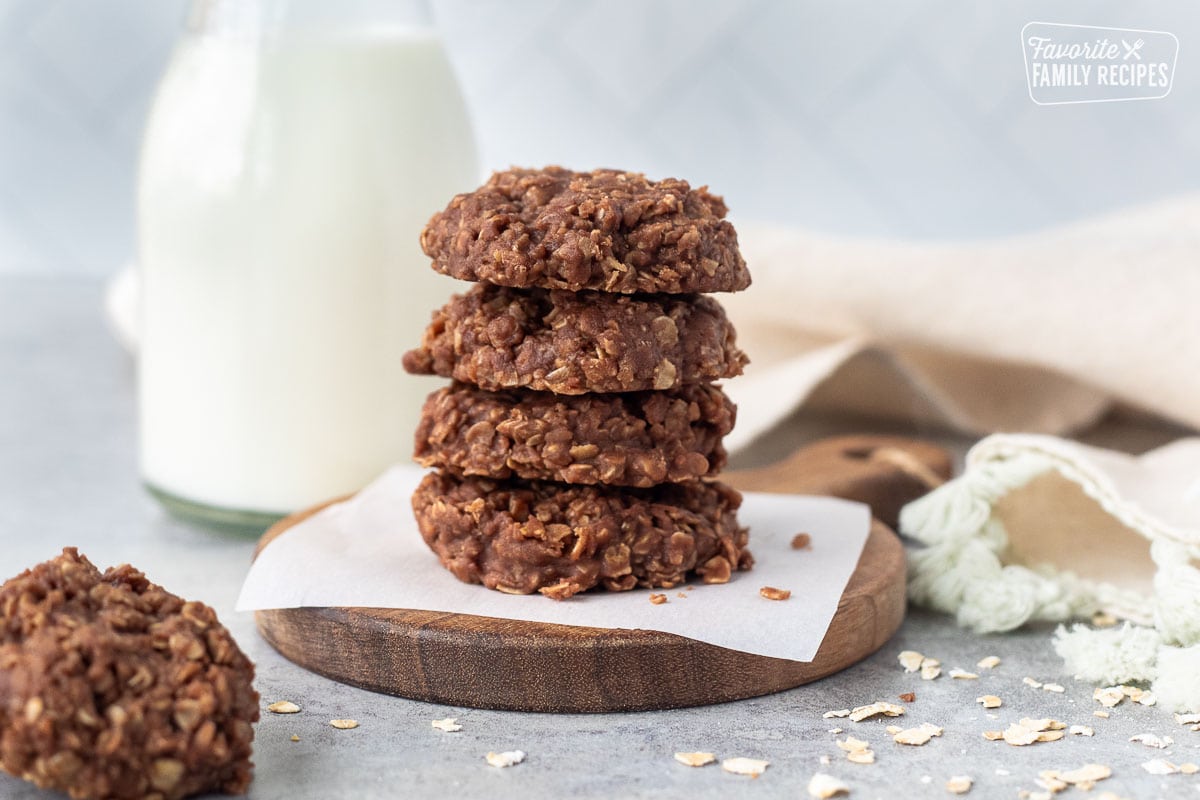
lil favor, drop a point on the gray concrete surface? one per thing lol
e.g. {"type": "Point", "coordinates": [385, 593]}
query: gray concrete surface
{"type": "Point", "coordinates": [68, 477]}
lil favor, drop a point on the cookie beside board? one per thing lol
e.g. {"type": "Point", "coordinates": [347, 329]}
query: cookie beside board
{"type": "Point", "coordinates": [115, 689]}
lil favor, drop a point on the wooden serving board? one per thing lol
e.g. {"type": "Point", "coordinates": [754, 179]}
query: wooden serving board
{"type": "Point", "coordinates": [485, 662]}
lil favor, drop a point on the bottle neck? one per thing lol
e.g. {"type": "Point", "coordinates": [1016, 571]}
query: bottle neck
{"type": "Point", "coordinates": [266, 19]}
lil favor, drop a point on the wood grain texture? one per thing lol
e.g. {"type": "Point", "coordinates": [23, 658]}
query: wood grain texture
{"type": "Point", "coordinates": [508, 664]}
{"type": "Point", "coordinates": [885, 472]}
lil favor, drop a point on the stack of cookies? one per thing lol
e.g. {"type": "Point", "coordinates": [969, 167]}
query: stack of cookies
{"type": "Point", "coordinates": [576, 445]}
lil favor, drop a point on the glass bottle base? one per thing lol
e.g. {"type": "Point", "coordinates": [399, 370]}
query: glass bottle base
{"type": "Point", "coordinates": [235, 521]}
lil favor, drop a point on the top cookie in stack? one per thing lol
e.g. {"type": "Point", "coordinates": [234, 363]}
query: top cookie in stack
{"type": "Point", "coordinates": [605, 230]}
{"type": "Point", "coordinates": [574, 444]}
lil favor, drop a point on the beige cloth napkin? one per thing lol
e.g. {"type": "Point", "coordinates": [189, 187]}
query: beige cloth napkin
{"type": "Point", "coordinates": [1038, 333]}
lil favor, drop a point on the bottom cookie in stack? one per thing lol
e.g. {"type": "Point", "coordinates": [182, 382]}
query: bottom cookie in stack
{"type": "Point", "coordinates": [560, 539]}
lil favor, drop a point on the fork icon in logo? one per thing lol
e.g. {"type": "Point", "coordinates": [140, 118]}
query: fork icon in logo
{"type": "Point", "coordinates": [1132, 49]}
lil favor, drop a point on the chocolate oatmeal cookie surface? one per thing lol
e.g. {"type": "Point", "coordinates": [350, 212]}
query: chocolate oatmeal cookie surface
{"type": "Point", "coordinates": [522, 537]}
{"type": "Point", "coordinates": [632, 439]}
{"type": "Point", "coordinates": [607, 230]}
{"type": "Point", "coordinates": [577, 342]}
{"type": "Point", "coordinates": [112, 688]}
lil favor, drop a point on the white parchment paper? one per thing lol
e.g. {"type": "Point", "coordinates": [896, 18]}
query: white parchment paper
{"type": "Point", "coordinates": [367, 552]}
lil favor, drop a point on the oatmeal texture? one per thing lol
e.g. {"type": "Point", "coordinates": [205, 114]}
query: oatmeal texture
{"type": "Point", "coordinates": [606, 230]}
{"type": "Point", "coordinates": [113, 688]}
{"type": "Point", "coordinates": [522, 537]}
{"type": "Point", "coordinates": [633, 439]}
{"type": "Point", "coordinates": [577, 342]}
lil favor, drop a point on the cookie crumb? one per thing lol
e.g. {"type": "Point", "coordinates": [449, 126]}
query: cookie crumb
{"type": "Point", "coordinates": [802, 541]}
{"type": "Point", "coordinates": [295, 737]}
{"type": "Point", "coordinates": [657, 599]}
{"type": "Point", "coordinates": [695, 759]}
{"type": "Point", "coordinates": [1081, 730]}
{"type": "Point", "coordinates": [1150, 740]}
{"type": "Point", "coordinates": [1053, 687]}
{"type": "Point", "coordinates": [1160, 766]}
{"type": "Point", "coordinates": [824, 786]}
{"type": "Point", "coordinates": [910, 660]}
{"type": "Point", "coordinates": [1029, 731]}
{"type": "Point", "coordinates": [959, 784]}
{"type": "Point", "coordinates": [344, 724]}
{"type": "Point", "coordinates": [284, 707]}
{"type": "Point", "coordinates": [989, 701]}
{"type": "Point", "coordinates": [1084, 778]}
{"type": "Point", "coordinates": [843, 712]}
{"type": "Point", "coordinates": [917, 736]}
{"type": "Point", "coordinates": [771, 593]}
{"type": "Point", "coordinates": [963, 675]}
{"type": "Point", "coordinates": [909, 697]}
{"type": "Point", "coordinates": [988, 662]}
{"type": "Point", "coordinates": [875, 709]}
{"type": "Point", "coordinates": [508, 758]}
{"type": "Point", "coordinates": [449, 724]}
{"type": "Point", "coordinates": [1018, 736]}
{"type": "Point", "coordinates": [857, 751]}
{"type": "Point", "coordinates": [745, 766]}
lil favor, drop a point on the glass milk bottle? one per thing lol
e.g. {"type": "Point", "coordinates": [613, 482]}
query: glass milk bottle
{"type": "Point", "coordinates": [293, 153]}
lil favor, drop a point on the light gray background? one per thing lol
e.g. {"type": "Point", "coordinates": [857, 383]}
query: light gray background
{"type": "Point", "coordinates": [895, 119]}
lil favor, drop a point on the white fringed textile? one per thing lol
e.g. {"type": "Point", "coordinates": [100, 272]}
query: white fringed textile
{"type": "Point", "coordinates": [1080, 510]}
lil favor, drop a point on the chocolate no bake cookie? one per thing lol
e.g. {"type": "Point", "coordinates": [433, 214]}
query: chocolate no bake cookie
{"type": "Point", "coordinates": [111, 688]}
{"type": "Point", "coordinates": [633, 439]}
{"type": "Point", "coordinates": [522, 537]}
{"type": "Point", "coordinates": [606, 230]}
{"type": "Point", "coordinates": [576, 342]}
{"type": "Point", "coordinates": [573, 447]}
